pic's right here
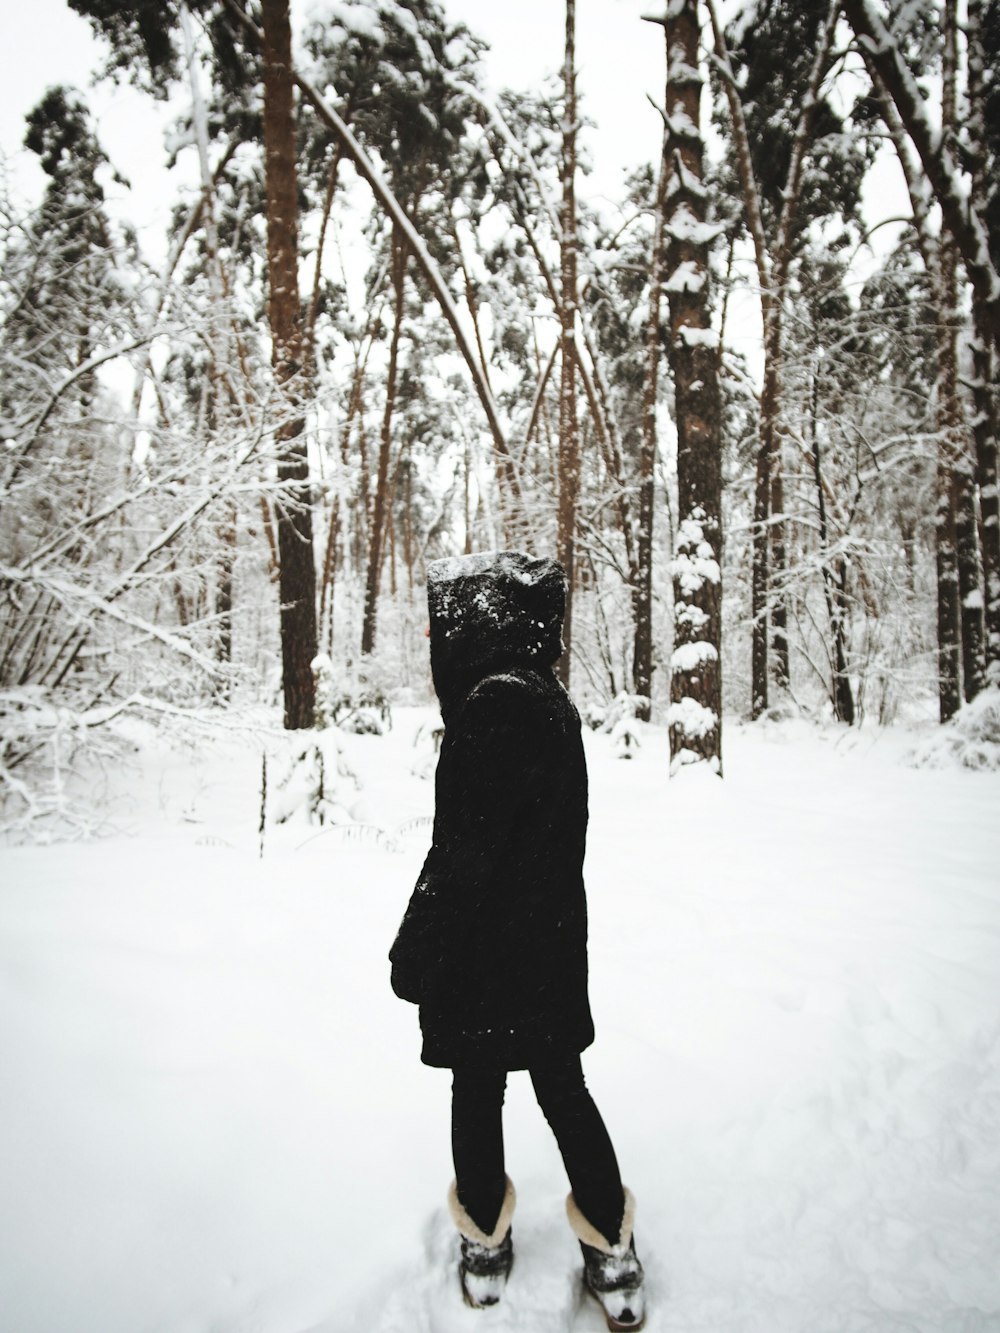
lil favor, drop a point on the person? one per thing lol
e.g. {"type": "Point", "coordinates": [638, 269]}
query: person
{"type": "Point", "coordinates": [493, 943]}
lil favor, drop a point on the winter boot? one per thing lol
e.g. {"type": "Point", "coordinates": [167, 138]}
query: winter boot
{"type": "Point", "coordinates": [486, 1259]}
{"type": "Point", "coordinates": [611, 1273]}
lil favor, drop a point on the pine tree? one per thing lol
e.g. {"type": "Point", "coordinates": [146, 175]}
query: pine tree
{"type": "Point", "coordinates": [695, 714]}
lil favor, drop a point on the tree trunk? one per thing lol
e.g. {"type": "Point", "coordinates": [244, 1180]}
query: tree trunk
{"type": "Point", "coordinates": [379, 510]}
{"type": "Point", "coordinates": [226, 530]}
{"type": "Point", "coordinates": [949, 692]}
{"type": "Point", "coordinates": [642, 585]}
{"type": "Point", "coordinates": [840, 692]}
{"type": "Point", "coordinates": [985, 355]}
{"type": "Point", "coordinates": [695, 713]}
{"type": "Point", "coordinates": [949, 416]}
{"type": "Point", "coordinates": [955, 514]}
{"type": "Point", "coordinates": [569, 442]}
{"type": "Point", "coordinates": [297, 580]}
{"type": "Point", "coordinates": [963, 218]}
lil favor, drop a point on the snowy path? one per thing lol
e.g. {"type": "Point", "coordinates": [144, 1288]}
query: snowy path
{"type": "Point", "coordinates": [213, 1118]}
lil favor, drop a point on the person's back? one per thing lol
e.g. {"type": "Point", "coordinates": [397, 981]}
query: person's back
{"type": "Point", "coordinates": [493, 946]}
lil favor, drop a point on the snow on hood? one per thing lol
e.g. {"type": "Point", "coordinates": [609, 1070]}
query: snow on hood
{"type": "Point", "coordinates": [491, 611]}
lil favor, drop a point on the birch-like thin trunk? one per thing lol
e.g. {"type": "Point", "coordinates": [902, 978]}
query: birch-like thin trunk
{"type": "Point", "coordinates": [226, 531]}
{"type": "Point", "coordinates": [380, 506]}
{"type": "Point", "coordinates": [695, 713]}
{"type": "Point", "coordinates": [642, 584]}
{"type": "Point", "coordinates": [840, 691]}
{"type": "Point", "coordinates": [297, 578]}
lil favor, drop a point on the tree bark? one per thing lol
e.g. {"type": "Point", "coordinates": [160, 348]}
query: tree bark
{"type": "Point", "coordinates": [642, 582]}
{"type": "Point", "coordinates": [297, 578]}
{"type": "Point", "coordinates": [985, 355]}
{"type": "Point", "coordinates": [569, 441]}
{"type": "Point", "coordinates": [949, 416]}
{"type": "Point", "coordinates": [695, 713]}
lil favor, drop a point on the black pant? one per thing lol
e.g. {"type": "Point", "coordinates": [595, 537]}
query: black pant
{"type": "Point", "coordinates": [587, 1152]}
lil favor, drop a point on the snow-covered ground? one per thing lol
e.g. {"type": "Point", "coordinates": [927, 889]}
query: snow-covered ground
{"type": "Point", "coordinates": [214, 1120]}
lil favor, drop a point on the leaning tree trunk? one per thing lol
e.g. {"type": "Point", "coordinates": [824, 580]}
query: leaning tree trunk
{"type": "Point", "coordinates": [380, 509]}
{"type": "Point", "coordinates": [297, 576]}
{"type": "Point", "coordinates": [695, 713]}
{"type": "Point", "coordinates": [569, 442]}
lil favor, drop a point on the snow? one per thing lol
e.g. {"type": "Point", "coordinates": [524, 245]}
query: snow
{"type": "Point", "coordinates": [684, 226]}
{"type": "Point", "coordinates": [216, 1117]}
{"type": "Point", "coordinates": [686, 277]}
{"type": "Point", "coordinates": [691, 717]}
{"type": "Point", "coordinates": [690, 656]}
{"type": "Point", "coordinates": [693, 337]}
{"type": "Point", "coordinates": [356, 19]}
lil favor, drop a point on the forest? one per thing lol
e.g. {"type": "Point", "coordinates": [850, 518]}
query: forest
{"type": "Point", "coordinates": [391, 326]}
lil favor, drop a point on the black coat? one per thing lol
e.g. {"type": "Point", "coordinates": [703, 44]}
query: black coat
{"type": "Point", "coordinates": [493, 945]}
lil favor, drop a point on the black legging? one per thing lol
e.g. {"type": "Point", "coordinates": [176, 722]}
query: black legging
{"type": "Point", "coordinates": [587, 1152]}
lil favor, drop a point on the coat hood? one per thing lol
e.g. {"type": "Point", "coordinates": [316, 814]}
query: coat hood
{"type": "Point", "coordinates": [489, 612]}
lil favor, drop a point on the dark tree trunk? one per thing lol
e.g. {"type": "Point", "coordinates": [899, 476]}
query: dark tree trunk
{"type": "Point", "coordinates": [969, 590]}
{"type": "Point", "coordinates": [760, 630]}
{"type": "Point", "coordinates": [986, 336]}
{"type": "Point", "coordinates": [948, 416]}
{"type": "Point", "coordinates": [840, 692]}
{"type": "Point", "coordinates": [949, 691]}
{"type": "Point", "coordinates": [569, 442]}
{"type": "Point", "coordinates": [297, 578]}
{"type": "Point", "coordinates": [986, 429]}
{"type": "Point", "coordinates": [224, 595]}
{"type": "Point", "coordinates": [695, 715]}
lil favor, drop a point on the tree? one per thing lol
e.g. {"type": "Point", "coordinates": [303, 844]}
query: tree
{"type": "Point", "coordinates": [297, 584]}
{"type": "Point", "coordinates": [778, 120]}
{"type": "Point", "coordinates": [695, 713]}
{"type": "Point", "coordinates": [569, 443]}
{"type": "Point", "coordinates": [970, 219]}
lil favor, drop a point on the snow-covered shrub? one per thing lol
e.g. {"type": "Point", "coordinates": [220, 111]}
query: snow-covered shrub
{"type": "Point", "coordinates": [308, 783]}
{"type": "Point", "coordinates": [354, 702]}
{"type": "Point", "coordinates": [971, 739]}
{"type": "Point", "coordinates": [593, 714]}
{"type": "Point", "coordinates": [620, 721]}
{"type": "Point", "coordinates": [625, 735]}
{"type": "Point", "coordinates": [40, 744]}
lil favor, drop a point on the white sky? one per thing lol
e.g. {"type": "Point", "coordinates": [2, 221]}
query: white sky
{"type": "Point", "coordinates": [620, 60]}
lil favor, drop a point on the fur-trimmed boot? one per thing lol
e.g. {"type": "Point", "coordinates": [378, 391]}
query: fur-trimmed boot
{"type": "Point", "coordinates": [612, 1273]}
{"type": "Point", "coordinates": [486, 1259]}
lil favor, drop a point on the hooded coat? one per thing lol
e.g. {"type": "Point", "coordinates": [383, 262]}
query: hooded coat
{"type": "Point", "coordinates": [493, 945]}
